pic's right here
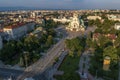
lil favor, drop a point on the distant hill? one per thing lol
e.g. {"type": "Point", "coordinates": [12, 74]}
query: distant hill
{"type": "Point", "coordinates": [16, 8]}
{"type": "Point", "coordinates": [29, 8]}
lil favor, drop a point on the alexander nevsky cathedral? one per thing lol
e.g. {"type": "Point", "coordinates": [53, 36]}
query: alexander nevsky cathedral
{"type": "Point", "coordinates": [76, 24]}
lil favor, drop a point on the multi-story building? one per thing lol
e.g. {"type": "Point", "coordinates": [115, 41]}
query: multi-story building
{"type": "Point", "coordinates": [18, 30]}
{"type": "Point", "coordinates": [93, 17]}
{"type": "Point", "coordinates": [62, 20]}
{"type": "Point", "coordinates": [1, 44]}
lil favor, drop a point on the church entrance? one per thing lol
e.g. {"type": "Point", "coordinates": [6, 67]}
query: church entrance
{"type": "Point", "coordinates": [74, 29]}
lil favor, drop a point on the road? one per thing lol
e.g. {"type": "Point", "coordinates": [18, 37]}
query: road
{"type": "Point", "coordinates": [42, 64]}
{"type": "Point", "coordinates": [5, 73]}
{"type": "Point", "coordinates": [84, 66]}
{"type": "Point", "coordinates": [54, 68]}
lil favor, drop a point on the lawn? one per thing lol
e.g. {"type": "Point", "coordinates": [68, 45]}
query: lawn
{"type": "Point", "coordinates": [69, 66]}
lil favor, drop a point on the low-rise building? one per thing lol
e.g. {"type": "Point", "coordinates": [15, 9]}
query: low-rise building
{"type": "Point", "coordinates": [114, 17]}
{"type": "Point", "coordinates": [112, 37]}
{"type": "Point", "coordinates": [117, 26]}
{"type": "Point", "coordinates": [18, 30]}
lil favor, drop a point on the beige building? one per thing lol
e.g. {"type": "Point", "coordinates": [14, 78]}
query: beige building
{"type": "Point", "coordinates": [17, 30]}
{"type": "Point", "coordinates": [62, 20]}
{"type": "Point", "coordinates": [117, 26]}
{"type": "Point", "coordinates": [94, 17]}
{"type": "Point", "coordinates": [1, 44]}
{"type": "Point", "coordinates": [106, 63]}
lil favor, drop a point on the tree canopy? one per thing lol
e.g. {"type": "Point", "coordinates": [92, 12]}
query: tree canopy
{"type": "Point", "coordinates": [75, 45]}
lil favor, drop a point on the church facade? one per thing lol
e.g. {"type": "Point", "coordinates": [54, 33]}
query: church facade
{"type": "Point", "coordinates": [76, 24]}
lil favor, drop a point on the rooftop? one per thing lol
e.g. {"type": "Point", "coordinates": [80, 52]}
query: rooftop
{"type": "Point", "coordinates": [14, 25]}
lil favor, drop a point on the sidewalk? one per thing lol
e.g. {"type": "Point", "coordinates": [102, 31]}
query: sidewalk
{"type": "Point", "coordinates": [84, 60]}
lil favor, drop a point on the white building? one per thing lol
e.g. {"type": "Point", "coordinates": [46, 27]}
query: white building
{"type": "Point", "coordinates": [114, 17]}
{"type": "Point", "coordinates": [75, 24]}
{"type": "Point", "coordinates": [1, 44]}
{"type": "Point", "coordinates": [62, 20]}
{"type": "Point", "coordinates": [94, 17]}
{"type": "Point", "coordinates": [18, 30]}
{"type": "Point", "coordinates": [117, 26]}
{"type": "Point", "coordinates": [33, 15]}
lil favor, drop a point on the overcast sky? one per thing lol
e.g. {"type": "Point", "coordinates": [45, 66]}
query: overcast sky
{"type": "Point", "coordinates": [63, 4]}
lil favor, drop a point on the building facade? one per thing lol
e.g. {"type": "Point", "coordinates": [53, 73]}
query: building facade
{"type": "Point", "coordinates": [17, 31]}
{"type": "Point", "coordinates": [94, 17]}
{"type": "Point", "coordinates": [117, 26]}
{"type": "Point", "coordinates": [76, 24]}
{"type": "Point", "coordinates": [62, 20]}
{"type": "Point", "coordinates": [114, 17]}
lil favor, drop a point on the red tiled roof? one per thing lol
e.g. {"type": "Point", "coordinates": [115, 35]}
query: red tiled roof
{"type": "Point", "coordinates": [32, 18]}
{"type": "Point", "coordinates": [96, 35]}
{"type": "Point", "coordinates": [112, 36]}
{"type": "Point", "coordinates": [1, 30]}
{"type": "Point", "coordinates": [15, 25]}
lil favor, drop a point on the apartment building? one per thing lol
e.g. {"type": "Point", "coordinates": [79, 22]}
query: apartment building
{"type": "Point", "coordinates": [17, 30]}
{"type": "Point", "coordinates": [93, 17]}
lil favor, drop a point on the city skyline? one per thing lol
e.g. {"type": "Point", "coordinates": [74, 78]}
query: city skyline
{"type": "Point", "coordinates": [63, 4]}
{"type": "Point", "coordinates": [65, 40]}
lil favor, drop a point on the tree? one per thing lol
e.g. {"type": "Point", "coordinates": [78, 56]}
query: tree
{"type": "Point", "coordinates": [31, 43]}
{"type": "Point", "coordinates": [117, 41]}
{"type": "Point", "coordinates": [8, 52]}
{"type": "Point", "coordinates": [90, 43]}
{"type": "Point", "coordinates": [75, 45]}
{"type": "Point", "coordinates": [110, 51]}
{"type": "Point", "coordinates": [51, 32]}
{"type": "Point", "coordinates": [118, 52]}
{"type": "Point", "coordinates": [102, 40]}
{"type": "Point", "coordinates": [49, 41]}
{"type": "Point", "coordinates": [91, 22]}
{"type": "Point", "coordinates": [50, 24]}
